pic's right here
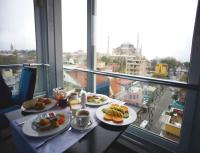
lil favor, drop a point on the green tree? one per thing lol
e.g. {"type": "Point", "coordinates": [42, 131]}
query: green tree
{"type": "Point", "coordinates": [184, 78]}
{"type": "Point", "coordinates": [122, 69]}
{"type": "Point", "coordinates": [11, 59]}
{"type": "Point", "coordinates": [171, 61]}
{"type": "Point", "coordinates": [105, 59]}
{"type": "Point", "coordinates": [186, 64]}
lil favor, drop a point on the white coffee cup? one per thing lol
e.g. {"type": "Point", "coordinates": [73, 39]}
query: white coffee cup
{"type": "Point", "coordinates": [82, 117]}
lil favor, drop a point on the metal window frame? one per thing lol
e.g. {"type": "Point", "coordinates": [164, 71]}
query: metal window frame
{"type": "Point", "coordinates": [190, 132]}
{"type": "Point", "coordinates": [41, 40]}
{"type": "Point", "coordinates": [48, 26]}
{"type": "Point", "coordinates": [91, 53]}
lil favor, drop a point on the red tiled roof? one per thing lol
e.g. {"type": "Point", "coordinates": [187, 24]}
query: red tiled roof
{"type": "Point", "coordinates": [115, 87]}
{"type": "Point", "coordinates": [81, 78]}
{"type": "Point", "coordinates": [116, 84]}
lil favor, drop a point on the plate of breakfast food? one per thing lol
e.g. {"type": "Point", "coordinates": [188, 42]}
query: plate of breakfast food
{"type": "Point", "coordinates": [46, 124]}
{"type": "Point", "coordinates": [116, 114]}
{"type": "Point", "coordinates": [96, 99]}
{"type": "Point", "coordinates": [38, 105]}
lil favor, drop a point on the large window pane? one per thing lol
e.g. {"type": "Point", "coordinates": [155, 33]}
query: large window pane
{"type": "Point", "coordinates": [148, 38]}
{"type": "Point", "coordinates": [17, 38]}
{"type": "Point", "coordinates": [17, 32]}
{"type": "Point", "coordinates": [74, 32]}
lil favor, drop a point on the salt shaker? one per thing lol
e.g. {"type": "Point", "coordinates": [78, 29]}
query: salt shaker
{"type": "Point", "coordinates": [83, 99]}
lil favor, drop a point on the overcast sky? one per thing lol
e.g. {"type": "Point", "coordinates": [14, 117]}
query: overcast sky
{"type": "Point", "coordinates": [17, 24]}
{"type": "Point", "coordinates": [165, 27]}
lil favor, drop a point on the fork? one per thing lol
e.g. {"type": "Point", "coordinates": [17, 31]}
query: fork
{"type": "Point", "coordinates": [50, 138]}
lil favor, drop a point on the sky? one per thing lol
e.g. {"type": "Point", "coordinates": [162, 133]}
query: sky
{"type": "Point", "coordinates": [17, 24]}
{"type": "Point", "coordinates": [165, 27]}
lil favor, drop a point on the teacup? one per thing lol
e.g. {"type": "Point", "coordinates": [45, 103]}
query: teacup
{"type": "Point", "coordinates": [82, 117]}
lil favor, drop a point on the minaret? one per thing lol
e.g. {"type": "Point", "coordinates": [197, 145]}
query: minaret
{"type": "Point", "coordinates": [137, 41]}
{"type": "Point", "coordinates": [11, 47]}
{"type": "Point", "coordinates": [108, 46]}
{"type": "Point", "coordinates": [141, 49]}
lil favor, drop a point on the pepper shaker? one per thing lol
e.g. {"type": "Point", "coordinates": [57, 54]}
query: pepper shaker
{"type": "Point", "coordinates": [83, 99]}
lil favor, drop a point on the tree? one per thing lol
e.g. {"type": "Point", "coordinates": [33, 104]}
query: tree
{"type": "Point", "coordinates": [186, 64]}
{"type": "Point", "coordinates": [105, 59]}
{"type": "Point", "coordinates": [5, 60]}
{"type": "Point", "coordinates": [172, 63]}
{"type": "Point", "coordinates": [184, 78]}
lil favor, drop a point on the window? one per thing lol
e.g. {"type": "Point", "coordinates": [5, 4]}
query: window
{"type": "Point", "coordinates": [74, 32]}
{"type": "Point", "coordinates": [144, 38]}
{"type": "Point", "coordinates": [17, 38]}
{"type": "Point", "coordinates": [17, 32]}
{"type": "Point", "coordinates": [153, 49]}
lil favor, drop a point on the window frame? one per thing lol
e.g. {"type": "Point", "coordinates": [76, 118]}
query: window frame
{"type": "Point", "coordinates": [48, 25]}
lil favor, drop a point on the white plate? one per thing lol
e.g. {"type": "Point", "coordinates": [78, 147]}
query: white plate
{"type": "Point", "coordinates": [126, 121]}
{"type": "Point", "coordinates": [47, 107]}
{"type": "Point", "coordinates": [97, 104]}
{"type": "Point", "coordinates": [75, 126]}
{"type": "Point", "coordinates": [28, 127]}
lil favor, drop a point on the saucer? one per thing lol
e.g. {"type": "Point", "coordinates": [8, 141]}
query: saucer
{"type": "Point", "coordinates": [79, 128]}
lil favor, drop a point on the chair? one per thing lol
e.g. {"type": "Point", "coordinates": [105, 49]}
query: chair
{"type": "Point", "coordinates": [26, 85]}
{"type": "Point", "coordinates": [26, 90]}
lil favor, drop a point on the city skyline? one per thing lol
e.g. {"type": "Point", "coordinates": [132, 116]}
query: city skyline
{"type": "Point", "coordinates": [156, 39]}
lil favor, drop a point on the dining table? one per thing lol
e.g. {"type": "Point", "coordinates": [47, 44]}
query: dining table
{"type": "Point", "coordinates": [96, 139]}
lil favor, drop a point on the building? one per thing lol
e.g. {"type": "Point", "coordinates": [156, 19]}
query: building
{"type": "Point", "coordinates": [130, 59]}
{"type": "Point", "coordinates": [136, 65]}
{"type": "Point", "coordinates": [134, 96]}
{"type": "Point", "coordinates": [125, 49]}
{"type": "Point", "coordinates": [161, 69]}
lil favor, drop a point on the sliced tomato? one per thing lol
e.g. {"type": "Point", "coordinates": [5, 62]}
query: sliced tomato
{"type": "Point", "coordinates": [61, 120]}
